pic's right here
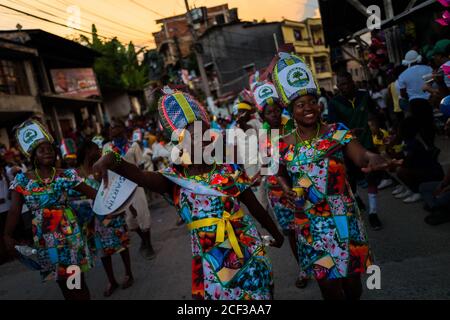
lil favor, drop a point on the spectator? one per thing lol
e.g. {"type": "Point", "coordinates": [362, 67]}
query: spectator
{"type": "Point", "coordinates": [411, 83]}
{"type": "Point", "coordinates": [419, 164]}
{"type": "Point", "coordinates": [437, 200]}
{"type": "Point", "coordinates": [352, 107]}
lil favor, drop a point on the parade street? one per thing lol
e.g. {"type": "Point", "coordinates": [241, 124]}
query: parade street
{"type": "Point", "coordinates": [414, 259]}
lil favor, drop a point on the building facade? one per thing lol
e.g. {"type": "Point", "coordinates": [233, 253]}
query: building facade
{"type": "Point", "coordinates": [53, 78]}
{"type": "Point", "coordinates": [308, 40]}
{"type": "Point", "coordinates": [175, 41]}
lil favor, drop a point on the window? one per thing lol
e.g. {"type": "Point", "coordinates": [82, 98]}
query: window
{"type": "Point", "coordinates": [298, 35]}
{"type": "Point", "coordinates": [13, 79]}
{"type": "Point", "coordinates": [321, 64]}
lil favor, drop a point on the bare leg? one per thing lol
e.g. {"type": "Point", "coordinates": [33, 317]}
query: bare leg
{"type": "Point", "coordinates": [129, 280]}
{"type": "Point", "coordinates": [112, 285]}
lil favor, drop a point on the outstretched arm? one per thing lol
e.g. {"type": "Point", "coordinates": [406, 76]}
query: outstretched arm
{"type": "Point", "coordinates": [261, 215]}
{"type": "Point", "coordinates": [153, 181]}
{"type": "Point", "coordinates": [86, 190]}
{"type": "Point", "coordinates": [366, 160]}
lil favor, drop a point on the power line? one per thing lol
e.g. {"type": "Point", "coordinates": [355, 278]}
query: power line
{"type": "Point", "coordinates": [146, 8]}
{"type": "Point", "coordinates": [64, 25]}
{"type": "Point", "coordinates": [48, 20]}
{"type": "Point", "coordinates": [124, 34]}
{"type": "Point", "coordinates": [107, 19]}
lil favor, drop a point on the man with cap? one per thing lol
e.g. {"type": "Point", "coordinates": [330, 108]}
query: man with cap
{"type": "Point", "coordinates": [411, 83]}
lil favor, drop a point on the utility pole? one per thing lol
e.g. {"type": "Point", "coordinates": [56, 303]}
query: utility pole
{"type": "Point", "coordinates": [200, 62]}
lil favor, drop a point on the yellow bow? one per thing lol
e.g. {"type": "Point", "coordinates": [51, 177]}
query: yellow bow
{"type": "Point", "coordinates": [223, 224]}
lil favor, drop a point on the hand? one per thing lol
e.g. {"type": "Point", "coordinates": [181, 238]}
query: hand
{"type": "Point", "coordinates": [378, 163]}
{"type": "Point", "coordinates": [101, 167]}
{"type": "Point", "coordinates": [10, 244]}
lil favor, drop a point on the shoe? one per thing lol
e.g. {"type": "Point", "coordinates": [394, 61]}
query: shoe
{"type": "Point", "coordinates": [110, 290]}
{"type": "Point", "coordinates": [149, 254]}
{"type": "Point", "coordinates": [404, 194]}
{"type": "Point", "coordinates": [385, 183]}
{"type": "Point", "coordinates": [375, 222]}
{"type": "Point", "coordinates": [415, 197]}
{"type": "Point", "coordinates": [301, 283]}
{"type": "Point", "coordinates": [437, 218]}
{"type": "Point", "coordinates": [129, 281]}
{"type": "Point", "coordinates": [398, 189]}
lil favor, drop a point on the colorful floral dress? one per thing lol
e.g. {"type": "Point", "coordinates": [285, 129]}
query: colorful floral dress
{"type": "Point", "coordinates": [277, 202]}
{"type": "Point", "coordinates": [332, 240]}
{"type": "Point", "coordinates": [106, 235]}
{"type": "Point", "coordinates": [229, 261]}
{"type": "Point", "coordinates": [58, 237]}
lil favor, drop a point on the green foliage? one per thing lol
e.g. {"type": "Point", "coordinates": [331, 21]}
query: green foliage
{"type": "Point", "coordinates": [119, 66]}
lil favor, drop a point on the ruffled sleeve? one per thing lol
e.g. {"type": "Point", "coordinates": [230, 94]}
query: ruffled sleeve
{"type": "Point", "coordinates": [19, 183]}
{"type": "Point", "coordinates": [72, 179]}
{"type": "Point", "coordinates": [342, 134]}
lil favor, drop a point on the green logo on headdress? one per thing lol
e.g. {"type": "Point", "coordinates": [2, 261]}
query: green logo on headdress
{"type": "Point", "coordinates": [265, 92]}
{"type": "Point", "coordinates": [298, 78]}
{"type": "Point", "coordinates": [29, 135]}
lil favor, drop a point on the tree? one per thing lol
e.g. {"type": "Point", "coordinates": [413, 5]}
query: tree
{"type": "Point", "coordinates": [119, 66]}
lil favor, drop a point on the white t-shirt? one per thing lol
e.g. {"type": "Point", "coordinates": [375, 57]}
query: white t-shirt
{"type": "Point", "coordinates": [412, 80]}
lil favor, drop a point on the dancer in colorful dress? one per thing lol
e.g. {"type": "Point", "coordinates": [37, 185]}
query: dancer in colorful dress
{"type": "Point", "coordinates": [229, 259]}
{"type": "Point", "coordinates": [111, 233]}
{"type": "Point", "coordinates": [138, 216]}
{"type": "Point", "coordinates": [332, 241]}
{"type": "Point", "coordinates": [271, 110]}
{"type": "Point", "coordinates": [58, 236]}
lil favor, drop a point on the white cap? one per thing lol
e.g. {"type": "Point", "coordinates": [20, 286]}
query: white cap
{"type": "Point", "coordinates": [411, 57]}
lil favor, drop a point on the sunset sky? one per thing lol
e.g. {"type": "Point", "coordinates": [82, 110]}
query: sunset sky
{"type": "Point", "coordinates": [135, 19]}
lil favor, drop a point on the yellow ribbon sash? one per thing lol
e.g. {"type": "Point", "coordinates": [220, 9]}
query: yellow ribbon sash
{"type": "Point", "coordinates": [223, 224]}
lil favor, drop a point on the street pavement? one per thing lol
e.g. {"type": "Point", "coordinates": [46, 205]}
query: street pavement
{"type": "Point", "coordinates": [413, 257]}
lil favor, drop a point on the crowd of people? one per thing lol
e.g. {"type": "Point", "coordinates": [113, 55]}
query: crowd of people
{"type": "Point", "coordinates": [330, 144]}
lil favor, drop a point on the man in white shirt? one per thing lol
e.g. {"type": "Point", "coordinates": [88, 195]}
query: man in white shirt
{"type": "Point", "coordinates": [411, 83]}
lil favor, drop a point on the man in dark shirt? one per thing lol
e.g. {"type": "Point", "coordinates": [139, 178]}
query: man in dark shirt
{"type": "Point", "coordinates": [353, 107]}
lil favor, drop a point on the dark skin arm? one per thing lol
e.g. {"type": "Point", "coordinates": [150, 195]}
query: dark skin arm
{"type": "Point", "coordinates": [261, 215]}
{"type": "Point", "coordinates": [12, 220]}
{"type": "Point", "coordinates": [366, 160]}
{"type": "Point", "coordinates": [86, 190]}
{"type": "Point", "coordinates": [152, 181]}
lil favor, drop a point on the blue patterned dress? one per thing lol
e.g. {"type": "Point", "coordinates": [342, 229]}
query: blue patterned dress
{"type": "Point", "coordinates": [58, 236]}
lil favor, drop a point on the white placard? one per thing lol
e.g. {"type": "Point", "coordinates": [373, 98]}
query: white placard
{"type": "Point", "coordinates": [193, 186]}
{"type": "Point", "coordinates": [28, 135]}
{"type": "Point", "coordinates": [117, 197]}
{"type": "Point", "coordinates": [296, 77]}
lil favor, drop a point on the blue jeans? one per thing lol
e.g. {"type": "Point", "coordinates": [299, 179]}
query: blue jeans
{"type": "Point", "coordinates": [441, 201]}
